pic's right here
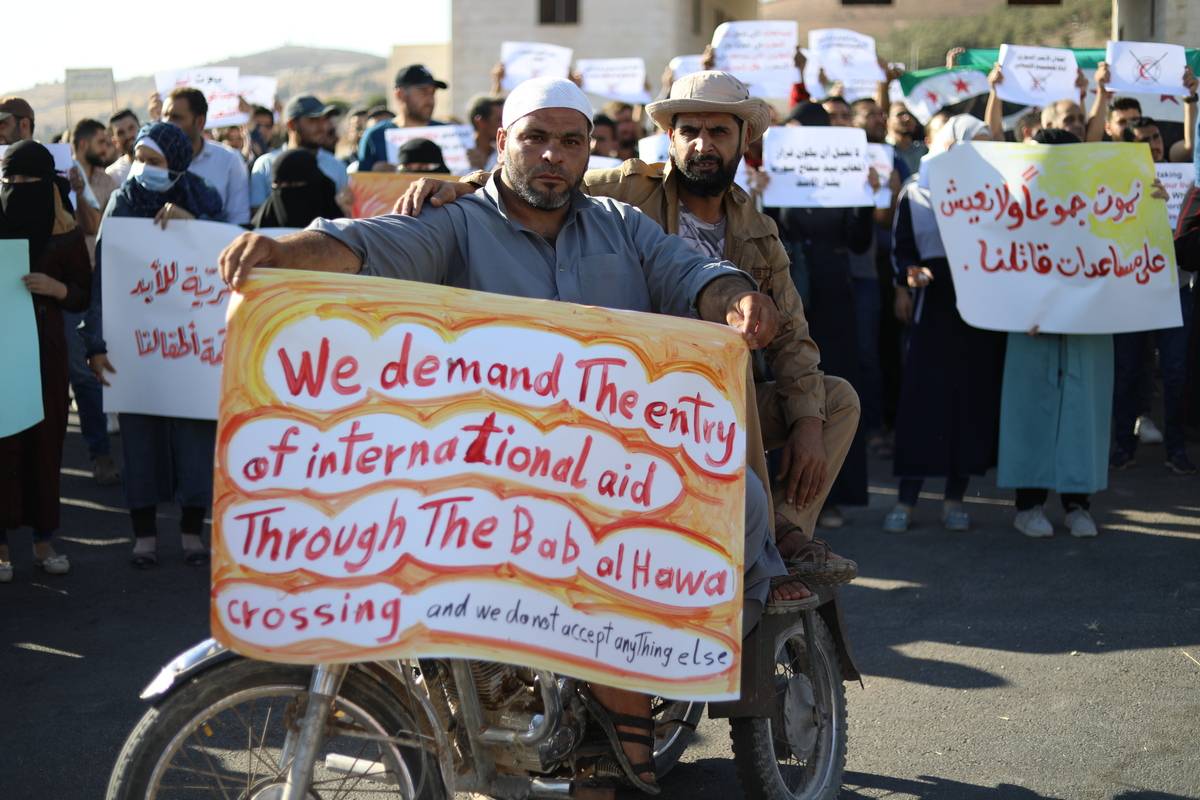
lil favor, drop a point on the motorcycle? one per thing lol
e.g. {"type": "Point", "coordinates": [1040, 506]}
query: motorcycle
{"type": "Point", "coordinates": [221, 725]}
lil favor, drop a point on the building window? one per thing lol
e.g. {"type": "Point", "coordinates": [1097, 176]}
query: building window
{"type": "Point", "coordinates": [558, 12]}
{"type": "Point", "coordinates": [697, 17]}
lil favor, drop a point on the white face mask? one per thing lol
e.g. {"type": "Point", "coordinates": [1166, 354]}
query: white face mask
{"type": "Point", "coordinates": [152, 178]}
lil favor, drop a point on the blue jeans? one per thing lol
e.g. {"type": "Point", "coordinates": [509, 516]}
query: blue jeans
{"type": "Point", "coordinates": [1172, 346]}
{"type": "Point", "coordinates": [867, 309]}
{"type": "Point", "coordinates": [89, 397]}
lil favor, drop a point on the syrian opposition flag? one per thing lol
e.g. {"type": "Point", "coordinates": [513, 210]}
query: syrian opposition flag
{"type": "Point", "coordinates": [928, 91]}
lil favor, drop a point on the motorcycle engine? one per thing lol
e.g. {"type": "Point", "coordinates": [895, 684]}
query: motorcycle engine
{"type": "Point", "coordinates": [509, 697]}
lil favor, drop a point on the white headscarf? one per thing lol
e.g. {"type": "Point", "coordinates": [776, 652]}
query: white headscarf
{"type": "Point", "coordinates": [956, 130]}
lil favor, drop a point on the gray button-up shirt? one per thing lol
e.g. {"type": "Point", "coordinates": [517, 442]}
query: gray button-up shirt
{"type": "Point", "coordinates": [607, 254]}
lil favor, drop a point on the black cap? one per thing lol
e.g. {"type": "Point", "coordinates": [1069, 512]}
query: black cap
{"type": "Point", "coordinates": [416, 75]}
{"type": "Point", "coordinates": [375, 111]}
{"type": "Point", "coordinates": [304, 106]}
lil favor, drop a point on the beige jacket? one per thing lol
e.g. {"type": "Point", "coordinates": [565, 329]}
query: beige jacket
{"type": "Point", "coordinates": [752, 244]}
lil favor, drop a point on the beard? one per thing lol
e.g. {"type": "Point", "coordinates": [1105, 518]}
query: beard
{"type": "Point", "coordinates": [705, 184]}
{"type": "Point", "coordinates": [96, 160]}
{"type": "Point", "coordinates": [520, 180]}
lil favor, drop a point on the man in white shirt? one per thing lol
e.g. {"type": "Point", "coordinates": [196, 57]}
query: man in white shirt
{"type": "Point", "coordinates": [306, 126]}
{"type": "Point", "coordinates": [123, 127]}
{"type": "Point", "coordinates": [222, 166]}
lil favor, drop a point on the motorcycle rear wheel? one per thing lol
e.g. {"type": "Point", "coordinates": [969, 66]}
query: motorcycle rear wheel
{"type": "Point", "coordinates": [793, 756]}
{"type": "Point", "coordinates": [671, 740]}
{"type": "Point", "coordinates": [222, 733]}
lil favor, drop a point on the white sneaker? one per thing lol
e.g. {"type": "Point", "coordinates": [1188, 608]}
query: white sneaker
{"type": "Point", "coordinates": [1080, 523]}
{"type": "Point", "coordinates": [1146, 431]}
{"type": "Point", "coordinates": [1033, 523]}
{"type": "Point", "coordinates": [114, 427]}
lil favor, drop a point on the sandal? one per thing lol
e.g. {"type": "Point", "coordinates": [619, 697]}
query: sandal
{"type": "Point", "coordinates": [144, 555]}
{"type": "Point", "coordinates": [788, 606]}
{"type": "Point", "coordinates": [195, 554]}
{"type": "Point", "coordinates": [608, 722]}
{"type": "Point", "coordinates": [816, 563]}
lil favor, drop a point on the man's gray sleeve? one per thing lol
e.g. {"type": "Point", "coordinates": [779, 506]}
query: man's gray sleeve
{"type": "Point", "coordinates": [675, 273]}
{"type": "Point", "coordinates": [410, 248]}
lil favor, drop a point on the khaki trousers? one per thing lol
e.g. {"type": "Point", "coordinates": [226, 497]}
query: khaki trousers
{"type": "Point", "coordinates": [841, 413]}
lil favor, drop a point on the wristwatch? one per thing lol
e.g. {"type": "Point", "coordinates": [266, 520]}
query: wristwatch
{"type": "Point", "coordinates": [1191, 98]}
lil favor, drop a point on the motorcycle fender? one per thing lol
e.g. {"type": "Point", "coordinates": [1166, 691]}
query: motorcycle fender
{"type": "Point", "coordinates": [192, 661]}
{"type": "Point", "coordinates": [758, 671]}
{"type": "Point", "coordinates": [831, 614]}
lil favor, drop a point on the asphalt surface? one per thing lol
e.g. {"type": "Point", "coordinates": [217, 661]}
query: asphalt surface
{"type": "Point", "coordinates": [994, 666]}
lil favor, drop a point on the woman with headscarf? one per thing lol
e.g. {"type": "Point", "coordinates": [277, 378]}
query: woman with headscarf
{"type": "Point", "coordinates": [821, 241]}
{"type": "Point", "coordinates": [1055, 418]}
{"type": "Point", "coordinates": [300, 193]}
{"type": "Point", "coordinates": [32, 208]}
{"type": "Point", "coordinates": [949, 410]}
{"type": "Point", "coordinates": [167, 459]}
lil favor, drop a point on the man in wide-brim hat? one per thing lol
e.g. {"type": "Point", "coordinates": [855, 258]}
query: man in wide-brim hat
{"type": "Point", "coordinates": [711, 119]}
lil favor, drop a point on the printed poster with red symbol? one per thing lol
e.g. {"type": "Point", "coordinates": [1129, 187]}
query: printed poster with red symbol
{"type": "Point", "coordinates": [409, 470]}
{"type": "Point", "coordinates": [1063, 238]}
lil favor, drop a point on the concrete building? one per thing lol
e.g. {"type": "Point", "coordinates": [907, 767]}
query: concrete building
{"type": "Point", "coordinates": [656, 30]}
{"type": "Point", "coordinates": [1174, 21]}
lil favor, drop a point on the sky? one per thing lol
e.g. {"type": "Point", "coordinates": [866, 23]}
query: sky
{"type": "Point", "coordinates": [80, 34]}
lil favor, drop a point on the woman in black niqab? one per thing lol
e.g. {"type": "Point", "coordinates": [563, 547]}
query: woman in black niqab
{"type": "Point", "coordinates": [300, 193]}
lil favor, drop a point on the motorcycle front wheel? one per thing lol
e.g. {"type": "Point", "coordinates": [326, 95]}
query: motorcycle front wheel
{"type": "Point", "coordinates": [225, 733]}
{"type": "Point", "coordinates": [799, 752]}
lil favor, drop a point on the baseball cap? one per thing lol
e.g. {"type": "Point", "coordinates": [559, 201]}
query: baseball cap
{"type": "Point", "coordinates": [15, 107]}
{"type": "Point", "coordinates": [304, 106]}
{"type": "Point", "coordinates": [417, 75]}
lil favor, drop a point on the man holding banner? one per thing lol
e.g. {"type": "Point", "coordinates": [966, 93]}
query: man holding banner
{"type": "Point", "coordinates": [531, 233]}
{"type": "Point", "coordinates": [711, 120]}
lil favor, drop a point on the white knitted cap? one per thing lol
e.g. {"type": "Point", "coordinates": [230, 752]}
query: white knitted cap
{"type": "Point", "coordinates": [538, 93]}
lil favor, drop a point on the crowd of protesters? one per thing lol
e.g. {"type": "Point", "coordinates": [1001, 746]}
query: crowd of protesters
{"type": "Point", "coordinates": [873, 356]}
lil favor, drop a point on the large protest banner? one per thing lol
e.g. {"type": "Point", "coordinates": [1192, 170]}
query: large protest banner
{"type": "Point", "coordinates": [20, 360]}
{"type": "Point", "coordinates": [412, 470]}
{"type": "Point", "coordinates": [760, 53]}
{"type": "Point", "coordinates": [376, 193]}
{"type": "Point", "coordinates": [1063, 238]}
{"type": "Point", "coordinates": [816, 167]}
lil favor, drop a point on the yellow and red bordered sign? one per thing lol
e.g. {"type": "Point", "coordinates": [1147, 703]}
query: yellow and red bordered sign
{"type": "Point", "coordinates": [412, 470]}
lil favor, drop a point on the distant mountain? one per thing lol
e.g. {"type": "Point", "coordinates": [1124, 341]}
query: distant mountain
{"type": "Point", "coordinates": [329, 74]}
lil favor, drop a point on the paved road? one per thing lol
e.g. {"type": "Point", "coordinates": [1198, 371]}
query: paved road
{"type": "Point", "coordinates": [996, 666]}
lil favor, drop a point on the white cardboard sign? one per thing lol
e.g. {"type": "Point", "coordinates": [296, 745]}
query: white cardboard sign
{"type": "Point", "coordinates": [258, 90]}
{"type": "Point", "coordinates": [685, 65]}
{"type": "Point", "coordinates": [220, 86]}
{"type": "Point", "coordinates": [1146, 68]}
{"type": "Point", "coordinates": [845, 55]}
{"type": "Point", "coordinates": [1037, 76]}
{"type": "Point", "coordinates": [616, 78]}
{"type": "Point", "coordinates": [654, 149]}
{"type": "Point", "coordinates": [1178, 180]}
{"type": "Point", "coordinates": [164, 314]}
{"type": "Point", "coordinates": [455, 141]}
{"type": "Point", "coordinates": [761, 53]}
{"type": "Point", "coordinates": [816, 167]}
{"type": "Point", "coordinates": [882, 158]}
{"type": "Point", "coordinates": [1064, 238]}
{"type": "Point", "coordinates": [525, 60]}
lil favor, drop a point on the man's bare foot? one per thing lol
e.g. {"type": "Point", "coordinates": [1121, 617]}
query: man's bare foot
{"type": "Point", "coordinates": [790, 590]}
